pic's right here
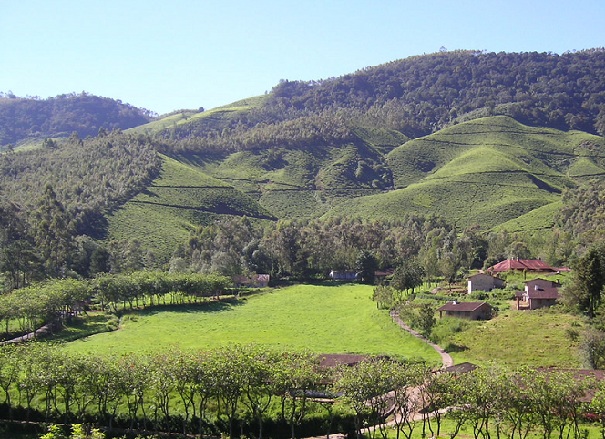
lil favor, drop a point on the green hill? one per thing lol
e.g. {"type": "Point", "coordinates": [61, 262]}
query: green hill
{"type": "Point", "coordinates": [178, 201]}
{"type": "Point", "coordinates": [487, 171]}
{"type": "Point", "coordinates": [494, 171]}
{"type": "Point", "coordinates": [23, 119]}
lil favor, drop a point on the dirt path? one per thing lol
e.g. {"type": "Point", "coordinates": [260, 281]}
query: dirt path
{"type": "Point", "coordinates": [446, 358]}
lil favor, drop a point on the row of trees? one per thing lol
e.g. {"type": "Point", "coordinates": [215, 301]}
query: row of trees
{"type": "Point", "coordinates": [250, 390]}
{"type": "Point", "coordinates": [425, 248]}
{"type": "Point", "coordinates": [59, 299]}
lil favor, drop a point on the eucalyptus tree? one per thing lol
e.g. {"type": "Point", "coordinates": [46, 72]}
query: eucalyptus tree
{"type": "Point", "coordinates": [53, 233]}
{"type": "Point", "coordinates": [597, 406]}
{"type": "Point", "coordinates": [11, 361]}
{"type": "Point", "coordinates": [135, 371]}
{"type": "Point", "coordinates": [407, 380]}
{"type": "Point", "coordinates": [366, 388]}
{"type": "Point", "coordinates": [259, 381]}
{"type": "Point", "coordinates": [228, 368]}
{"type": "Point", "coordinates": [297, 374]}
{"type": "Point", "coordinates": [481, 397]}
{"type": "Point", "coordinates": [557, 401]}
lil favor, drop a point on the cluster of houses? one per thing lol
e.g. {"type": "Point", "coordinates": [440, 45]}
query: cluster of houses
{"type": "Point", "coordinates": [538, 292]}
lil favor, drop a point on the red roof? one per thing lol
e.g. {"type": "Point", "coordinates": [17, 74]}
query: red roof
{"type": "Point", "coordinates": [521, 264]}
{"type": "Point", "coordinates": [462, 306]}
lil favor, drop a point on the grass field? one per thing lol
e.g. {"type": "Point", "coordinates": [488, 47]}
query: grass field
{"type": "Point", "coordinates": [322, 319]}
{"type": "Point", "coordinates": [518, 338]}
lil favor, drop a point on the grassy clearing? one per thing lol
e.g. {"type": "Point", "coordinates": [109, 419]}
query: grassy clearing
{"type": "Point", "coordinates": [517, 338]}
{"type": "Point", "coordinates": [322, 319]}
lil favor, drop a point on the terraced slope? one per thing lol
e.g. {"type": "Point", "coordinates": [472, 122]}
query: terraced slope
{"type": "Point", "coordinates": [177, 202]}
{"type": "Point", "coordinates": [487, 171]}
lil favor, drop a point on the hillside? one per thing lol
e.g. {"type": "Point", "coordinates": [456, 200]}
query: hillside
{"type": "Point", "coordinates": [176, 203]}
{"type": "Point", "coordinates": [471, 137]}
{"type": "Point", "coordinates": [487, 171]}
{"type": "Point", "coordinates": [23, 119]}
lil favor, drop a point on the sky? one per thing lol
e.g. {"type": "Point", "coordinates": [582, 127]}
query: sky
{"type": "Point", "coordinates": [176, 54]}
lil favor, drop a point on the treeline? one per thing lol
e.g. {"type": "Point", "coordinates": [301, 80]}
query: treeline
{"type": "Point", "coordinates": [431, 91]}
{"type": "Point", "coordinates": [55, 301]}
{"type": "Point", "coordinates": [252, 132]}
{"type": "Point", "coordinates": [252, 391]}
{"type": "Point", "coordinates": [310, 249]}
{"type": "Point", "coordinates": [82, 113]}
{"type": "Point", "coordinates": [416, 96]}
{"type": "Point", "coordinates": [87, 175]}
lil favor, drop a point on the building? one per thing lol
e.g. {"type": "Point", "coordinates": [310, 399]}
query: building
{"type": "Point", "coordinates": [346, 276]}
{"type": "Point", "coordinates": [538, 293]}
{"type": "Point", "coordinates": [533, 265]}
{"type": "Point", "coordinates": [252, 281]}
{"type": "Point", "coordinates": [483, 282]}
{"type": "Point", "coordinates": [467, 310]}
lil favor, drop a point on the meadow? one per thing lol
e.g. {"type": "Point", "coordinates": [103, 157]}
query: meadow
{"type": "Point", "coordinates": [516, 338]}
{"type": "Point", "coordinates": [317, 318]}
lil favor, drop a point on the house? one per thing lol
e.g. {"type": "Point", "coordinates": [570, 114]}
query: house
{"type": "Point", "coordinates": [538, 293]}
{"type": "Point", "coordinates": [536, 284]}
{"type": "Point", "coordinates": [348, 276]}
{"type": "Point", "coordinates": [380, 276]}
{"type": "Point", "coordinates": [535, 265]}
{"type": "Point", "coordinates": [252, 281]}
{"type": "Point", "coordinates": [467, 310]}
{"type": "Point", "coordinates": [483, 282]}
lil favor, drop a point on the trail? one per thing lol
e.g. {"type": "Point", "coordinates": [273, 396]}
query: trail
{"type": "Point", "coordinates": [446, 358]}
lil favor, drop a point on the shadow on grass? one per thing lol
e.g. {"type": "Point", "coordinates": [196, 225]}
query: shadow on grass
{"type": "Point", "coordinates": [452, 347]}
{"type": "Point", "coordinates": [206, 306]}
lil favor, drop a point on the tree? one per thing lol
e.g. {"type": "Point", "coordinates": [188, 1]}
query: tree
{"type": "Point", "coordinates": [426, 318]}
{"type": "Point", "coordinates": [383, 296]}
{"type": "Point", "coordinates": [592, 348]}
{"type": "Point", "coordinates": [590, 281]}
{"type": "Point", "coordinates": [53, 233]}
{"type": "Point", "coordinates": [17, 256]}
{"type": "Point", "coordinates": [365, 388]}
{"type": "Point", "coordinates": [366, 264]}
{"type": "Point", "coordinates": [408, 276]}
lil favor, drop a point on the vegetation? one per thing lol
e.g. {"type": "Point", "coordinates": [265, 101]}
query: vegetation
{"type": "Point", "coordinates": [84, 114]}
{"type": "Point", "coordinates": [322, 319]}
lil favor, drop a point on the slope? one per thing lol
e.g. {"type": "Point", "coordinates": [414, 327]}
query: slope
{"type": "Point", "coordinates": [178, 201]}
{"type": "Point", "coordinates": [487, 171]}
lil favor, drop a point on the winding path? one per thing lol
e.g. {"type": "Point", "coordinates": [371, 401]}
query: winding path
{"type": "Point", "coordinates": [446, 358]}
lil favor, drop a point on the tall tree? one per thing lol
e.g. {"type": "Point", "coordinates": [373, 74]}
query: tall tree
{"type": "Point", "coordinates": [589, 280]}
{"type": "Point", "coordinates": [53, 233]}
{"type": "Point", "coordinates": [366, 265]}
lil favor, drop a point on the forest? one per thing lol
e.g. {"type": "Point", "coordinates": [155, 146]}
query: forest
{"type": "Point", "coordinates": [61, 116]}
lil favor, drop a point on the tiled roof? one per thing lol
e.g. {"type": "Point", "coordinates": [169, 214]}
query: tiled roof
{"type": "Point", "coordinates": [461, 306]}
{"type": "Point", "coordinates": [544, 293]}
{"type": "Point", "coordinates": [521, 264]}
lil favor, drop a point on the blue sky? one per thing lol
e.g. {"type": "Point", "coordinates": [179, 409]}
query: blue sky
{"type": "Point", "coordinates": [185, 53]}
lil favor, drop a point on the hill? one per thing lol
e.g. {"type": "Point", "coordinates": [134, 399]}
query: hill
{"type": "Point", "coordinates": [473, 137]}
{"type": "Point", "coordinates": [487, 171]}
{"type": "Point", "coordinates": [32, 118]}
{"type": "Point", "coordinates": [176, 203]}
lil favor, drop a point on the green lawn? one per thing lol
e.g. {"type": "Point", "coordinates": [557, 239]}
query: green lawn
{"type": "Point", "coordinates": [322, 319]}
